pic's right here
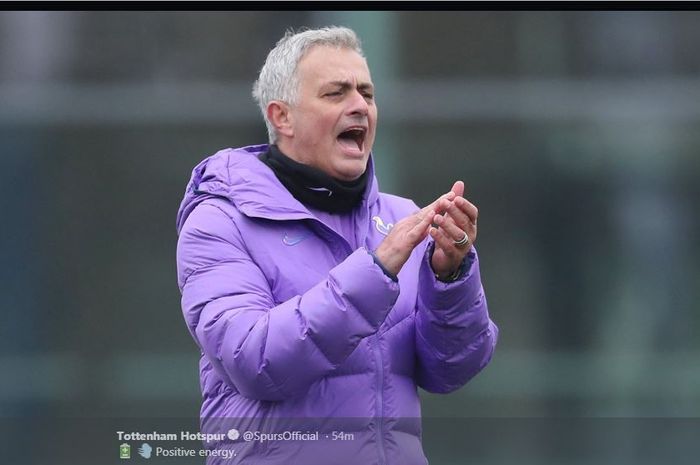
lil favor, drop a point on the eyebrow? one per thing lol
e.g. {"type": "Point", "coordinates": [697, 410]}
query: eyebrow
{"type": "Point", "coordinates": [348, 85]}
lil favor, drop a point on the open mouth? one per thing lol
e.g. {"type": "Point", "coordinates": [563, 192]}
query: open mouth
{"type": "Point", "coordinates": [353, 138]}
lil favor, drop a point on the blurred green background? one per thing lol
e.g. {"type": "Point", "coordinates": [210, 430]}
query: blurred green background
{"type": "Point", "coordinates": [577, 134]}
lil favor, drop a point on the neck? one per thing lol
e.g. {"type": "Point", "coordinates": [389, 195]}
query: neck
{"type": "Point", "coordinates": [313, 187]}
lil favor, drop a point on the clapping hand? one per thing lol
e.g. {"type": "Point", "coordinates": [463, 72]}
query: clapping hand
{"type": "Point", "coordinates": [455, 233]}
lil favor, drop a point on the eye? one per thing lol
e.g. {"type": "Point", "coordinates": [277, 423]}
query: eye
{"type": "Point", "coordinates": [335, 93]}
{"type": "Point", "coordinates": [369, 96]}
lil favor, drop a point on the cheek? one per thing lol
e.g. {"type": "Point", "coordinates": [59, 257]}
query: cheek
{"type": "Point", "coordinates": [373, 119]}
{"type": "Point", "coordinates": [316, 122]}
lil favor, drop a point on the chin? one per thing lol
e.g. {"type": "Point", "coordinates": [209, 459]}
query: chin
{"type": "Point", "coordinates": [349, 171]}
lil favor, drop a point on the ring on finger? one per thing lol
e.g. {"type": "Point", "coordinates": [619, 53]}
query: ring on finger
{"type": "Point", "coordinates": [463, 241]}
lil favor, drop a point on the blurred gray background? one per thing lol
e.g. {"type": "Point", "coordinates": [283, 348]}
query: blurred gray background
{"type": "Point", "coordinates": [577, 134]}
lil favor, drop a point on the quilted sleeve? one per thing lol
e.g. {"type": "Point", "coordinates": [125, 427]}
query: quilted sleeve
{"type": "Point", "coordinates": [455, 338]}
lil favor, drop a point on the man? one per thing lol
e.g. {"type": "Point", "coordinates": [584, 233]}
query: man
{"type": "Point", "coordinates": [318, 303]}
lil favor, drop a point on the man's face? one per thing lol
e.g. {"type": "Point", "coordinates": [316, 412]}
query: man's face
{"type": "Point", "coordinates": [334, 121]}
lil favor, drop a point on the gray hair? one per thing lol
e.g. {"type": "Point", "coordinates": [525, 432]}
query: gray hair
{"type": "Point", "coordinates": [278, 78]}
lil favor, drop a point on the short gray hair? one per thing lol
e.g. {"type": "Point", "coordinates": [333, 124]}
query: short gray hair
{"type": "Point", "coordinates": [278, 78]}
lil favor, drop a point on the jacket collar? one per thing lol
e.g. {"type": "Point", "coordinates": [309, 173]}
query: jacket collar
{"type": "Point", "coordinates": [239, 176]}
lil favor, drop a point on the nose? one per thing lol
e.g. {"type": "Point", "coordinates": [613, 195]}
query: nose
{"type": "Point", "coordinates": [358, 104]}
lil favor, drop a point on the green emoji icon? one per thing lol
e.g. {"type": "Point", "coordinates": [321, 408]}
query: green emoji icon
{"type": "Point", "coordinates": [125, 451]}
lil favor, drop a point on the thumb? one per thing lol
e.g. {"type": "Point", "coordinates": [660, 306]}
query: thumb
{"type": "Point", "coordinates": [458, 188]}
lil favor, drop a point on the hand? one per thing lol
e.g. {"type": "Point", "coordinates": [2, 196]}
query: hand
{"type": "Point", "coordinates": [395, 249]}
{"type": "Point", "coordinates": [460, 218]}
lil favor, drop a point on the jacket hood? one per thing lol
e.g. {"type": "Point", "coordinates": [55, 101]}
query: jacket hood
{"type": "Point", "coordinates": [239, 176]}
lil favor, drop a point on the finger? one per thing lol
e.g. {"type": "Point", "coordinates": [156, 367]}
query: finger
{"type": "Point", "coordinates": [444, 243]}
{"type": "Point", "coordinates": [420, 229]}
{"type": "Point", "coordinates": [451, 229]}
{"type": "Point", "coordinates": [456, 229]}
{"type": "Point", "coordinates": [458, 189]}
{"type": "Point", "coordinates": [461, 206]}
{"type": "Point", "coordinates": [425, 219]}
{"type": "Point", "coordinates": [439, 204]}
{"type": "Point", "coordinates": [442, 204]}
{"type": "Point", "coordinates": [459, 217]}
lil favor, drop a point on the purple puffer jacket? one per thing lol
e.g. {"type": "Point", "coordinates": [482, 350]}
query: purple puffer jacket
{"type": "Point", "coordinates": [303, 337]}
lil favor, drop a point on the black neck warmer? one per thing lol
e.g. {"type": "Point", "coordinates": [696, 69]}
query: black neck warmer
{"type": "Point", "coordinates": [312, 186]}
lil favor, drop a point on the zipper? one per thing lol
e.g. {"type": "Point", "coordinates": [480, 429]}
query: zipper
{"type": "Point", "coordinates": [329, 234]}
{"type": "Point", "coordinates": [380, 401]}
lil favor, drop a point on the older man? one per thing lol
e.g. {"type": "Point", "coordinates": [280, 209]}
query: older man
{"type": "Point", "coordinates": [319, 304]}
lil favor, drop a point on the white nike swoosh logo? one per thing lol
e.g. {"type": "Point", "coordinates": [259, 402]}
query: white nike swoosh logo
{"type": "Point", "coordinates": [321, 189]}
{"type": "Point", "coordinates": [293, 240]}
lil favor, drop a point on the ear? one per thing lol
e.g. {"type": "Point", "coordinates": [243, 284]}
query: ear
{"type": "Point", "coordinates": [279, 115]}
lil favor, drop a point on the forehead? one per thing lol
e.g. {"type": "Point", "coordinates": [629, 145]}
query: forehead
{"type": "Point", "coordinates": [324, 63]}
